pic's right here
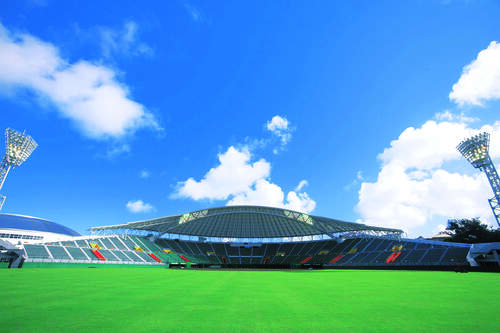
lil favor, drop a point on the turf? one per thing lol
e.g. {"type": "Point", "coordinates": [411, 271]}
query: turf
{"type": "Point", "coordinates": [162, 300]}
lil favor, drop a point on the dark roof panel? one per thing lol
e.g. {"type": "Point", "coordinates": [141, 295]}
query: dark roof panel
{"type": "Point", "coordinates": [246, 222]}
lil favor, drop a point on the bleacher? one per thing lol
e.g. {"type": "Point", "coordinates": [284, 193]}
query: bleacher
{"type": "Point", "coordinates": [368, 251]}
{"type": "Point", "coordinates": [58, 252]}
{"type": "Point", "coordinates": [77, 253]}
{"type": "Point", "coordinates": [432, 256]}
{"type": "Point", "coordinates": [36, 251]}
{"type": "Point", "coordinates": [113, 249]}
{"type": "Point", "coordinates": [455, 255]}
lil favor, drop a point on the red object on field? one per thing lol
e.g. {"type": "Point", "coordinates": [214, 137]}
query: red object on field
{"type": "Point", "coordinates": [306, 260]}
{"type": "Point", "coordinates": [337, 258]}
{"type": "Point", "coordinates": [98, 255]}
{"type": "Point", "coordinates": [154, 257]}
{"type": "Point", "coordinates": [184, 258]}
{"type": "Point", "coordinates": [267, 260]}
{"type": "Point", "coordinates": [397, 255]}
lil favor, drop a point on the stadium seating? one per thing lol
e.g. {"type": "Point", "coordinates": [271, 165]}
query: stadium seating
{"type": "Point", "coordinates": [393, 257]}
{"type": "Point", "coordinates": [456, 255]}
{"type": "Point", "coordinates": [144, 257]}
{"type": "Point", "coordinates": [306, 260]}
{"type": "Point", "coordinates": [98, 254]}
{"type": "Point", "coordinates": [130, 245]}
{"type": "Point", "coordinates": [349, 252]}
{"type": "Point", "coordinates": [368, 259]}
{"type": "Point", "coordinates": [77, 253]}
{"type": "Point", "coordinates": [107, 244]}
{"type": "Point", "coordinates": [121, 256]}
{"type": "Point", "coordinates": [413, 257]}
{"type": "Point", "coordinates": [81, 243]}
{"type": "Point", "coordinates": [58, 252]}
{"type": "Point", "coordinates": [184, 258]}
{"type": "Point", "coordinates": [150, 245]}
{"type": "Point", "coordinates": [337, 258]}
{"type": "Point", "coordinates": [36, 251]}
{"type": "Point", "coordinates": [152, 255]}
{"type": "Point", "coordinates": [432, 256]}
{"type": "Point", "coordinates": [109, 255]}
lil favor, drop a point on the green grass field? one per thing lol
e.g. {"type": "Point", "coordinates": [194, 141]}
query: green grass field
{"type": "Point", "coordinates": [162, 300]}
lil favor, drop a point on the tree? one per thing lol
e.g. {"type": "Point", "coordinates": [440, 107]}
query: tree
{"type": "Point", "coordinates": [471, 231]}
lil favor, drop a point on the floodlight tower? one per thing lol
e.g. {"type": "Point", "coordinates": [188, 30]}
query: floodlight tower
{"type": "Point", "coordinates": [18, 147]}
{"type": "Point", "coordinates": [475, 150]}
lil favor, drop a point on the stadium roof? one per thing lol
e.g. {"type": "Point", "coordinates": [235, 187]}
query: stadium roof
{"type": "Point", "coordinates": [21, 222]}
{"type": "Point", "coordinates": [246, 222]}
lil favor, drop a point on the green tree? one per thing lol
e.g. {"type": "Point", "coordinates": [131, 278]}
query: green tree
{"type": "Point", "coordinates": [471, 231]}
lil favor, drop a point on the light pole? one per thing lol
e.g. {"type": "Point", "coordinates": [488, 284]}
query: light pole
{"type": "Point", "coordinates": [476, 151]}
{"type": "Point", "coordinates": [18, 147]}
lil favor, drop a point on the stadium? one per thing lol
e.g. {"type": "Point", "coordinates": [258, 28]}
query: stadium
{"type": "Point", "coordinates": [229, 269]}
{"type": "Point", "coordinates": [249, 167]}
{"type": "Point", "coordinates": [236, 236]}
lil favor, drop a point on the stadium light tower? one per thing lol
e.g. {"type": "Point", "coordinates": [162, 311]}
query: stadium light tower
{"type": "Point", "coordinates": [18, 147]}
{"type": "Point", "coordinates": [475, 150]}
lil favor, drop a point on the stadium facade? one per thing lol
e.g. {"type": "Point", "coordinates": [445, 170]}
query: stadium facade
{"type": "Point", "coordinates": [247, 236]}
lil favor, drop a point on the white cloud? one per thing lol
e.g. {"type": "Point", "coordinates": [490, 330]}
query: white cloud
{"type": "Point", "coordinates": [416, 186]}
{"type": "Point", "coordinates": [280, 127]}
{"type": "Point", "coordinates": [243, 182]}
{"type": "Point", "coordinates": [196, 13]}
{"type": "Point", "coordinates": [86, 93]}
{"type": "Point", "coordinates": [139, 206]}
{"type": "Point", "coordinates": [302, 183]}
{"type": "Point", "coordinates": [355, 182]}
{"type": "Point", "coordinates": [144, 174]}
{"type": "Point", "coordinates": [234, 174]}
{"type": "Point", "coordinates": [449, 116]}
{"type": "Point", "coordinates": [117, 150]}
{"type": "Point", "coordinates": [123, 41]}
{"type": "Point", "coordinates": [480, 80]}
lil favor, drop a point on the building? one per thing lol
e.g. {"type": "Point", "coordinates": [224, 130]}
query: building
{"type": "Point", "coordinates": [21, 229]}
{"type": "Point", "coordinates": [243, 236]}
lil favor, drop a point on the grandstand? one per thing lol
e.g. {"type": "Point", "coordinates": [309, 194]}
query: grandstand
{"type": "Point", "coordinates": [252, 236]}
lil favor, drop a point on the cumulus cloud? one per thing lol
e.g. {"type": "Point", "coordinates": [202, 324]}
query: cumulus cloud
{"type": "Point", "coordinates": [243, 182]}
{"type": "Point", "coordinates": [301, 184]}
{"type": "Point", "coordinates": [144, 174]}
{"type": "Point", "coordinates": [449, 116]}
{"type": "Point", "coordinates": [480, 80]}
{"type": "Point", "coordinates": [139, 206]}
{"type": "Point", "coordinates": [280, 127]}
{"type": "Point", "coordinates": [117, 150]}
{"type": "Point", "coordinates": [417, 186]}
{"type": "Point", "coordinates": [123, 41]}
{"type": "Point", "coordinates": [88, 94]}
{"type": "Point", "coordinates": [234, 174]}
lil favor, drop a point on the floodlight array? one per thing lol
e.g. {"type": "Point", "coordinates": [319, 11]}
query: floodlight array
{"type": "Point", "coordinates": [19, 147]}
{"type": "Point", "coordinates": [475, 149]}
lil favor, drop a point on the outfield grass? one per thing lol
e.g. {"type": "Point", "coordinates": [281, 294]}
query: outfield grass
{"type": "Point", "coordinates": [162, 300]}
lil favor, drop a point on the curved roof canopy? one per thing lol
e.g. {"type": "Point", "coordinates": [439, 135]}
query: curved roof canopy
{"type": "Point", "coordinates": [12, 221]}
{"type": "Point", "coordinates": [246, 222]}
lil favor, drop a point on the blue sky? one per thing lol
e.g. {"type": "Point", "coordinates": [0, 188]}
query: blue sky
{"type": "Point", "coordinates": [341, 109]}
